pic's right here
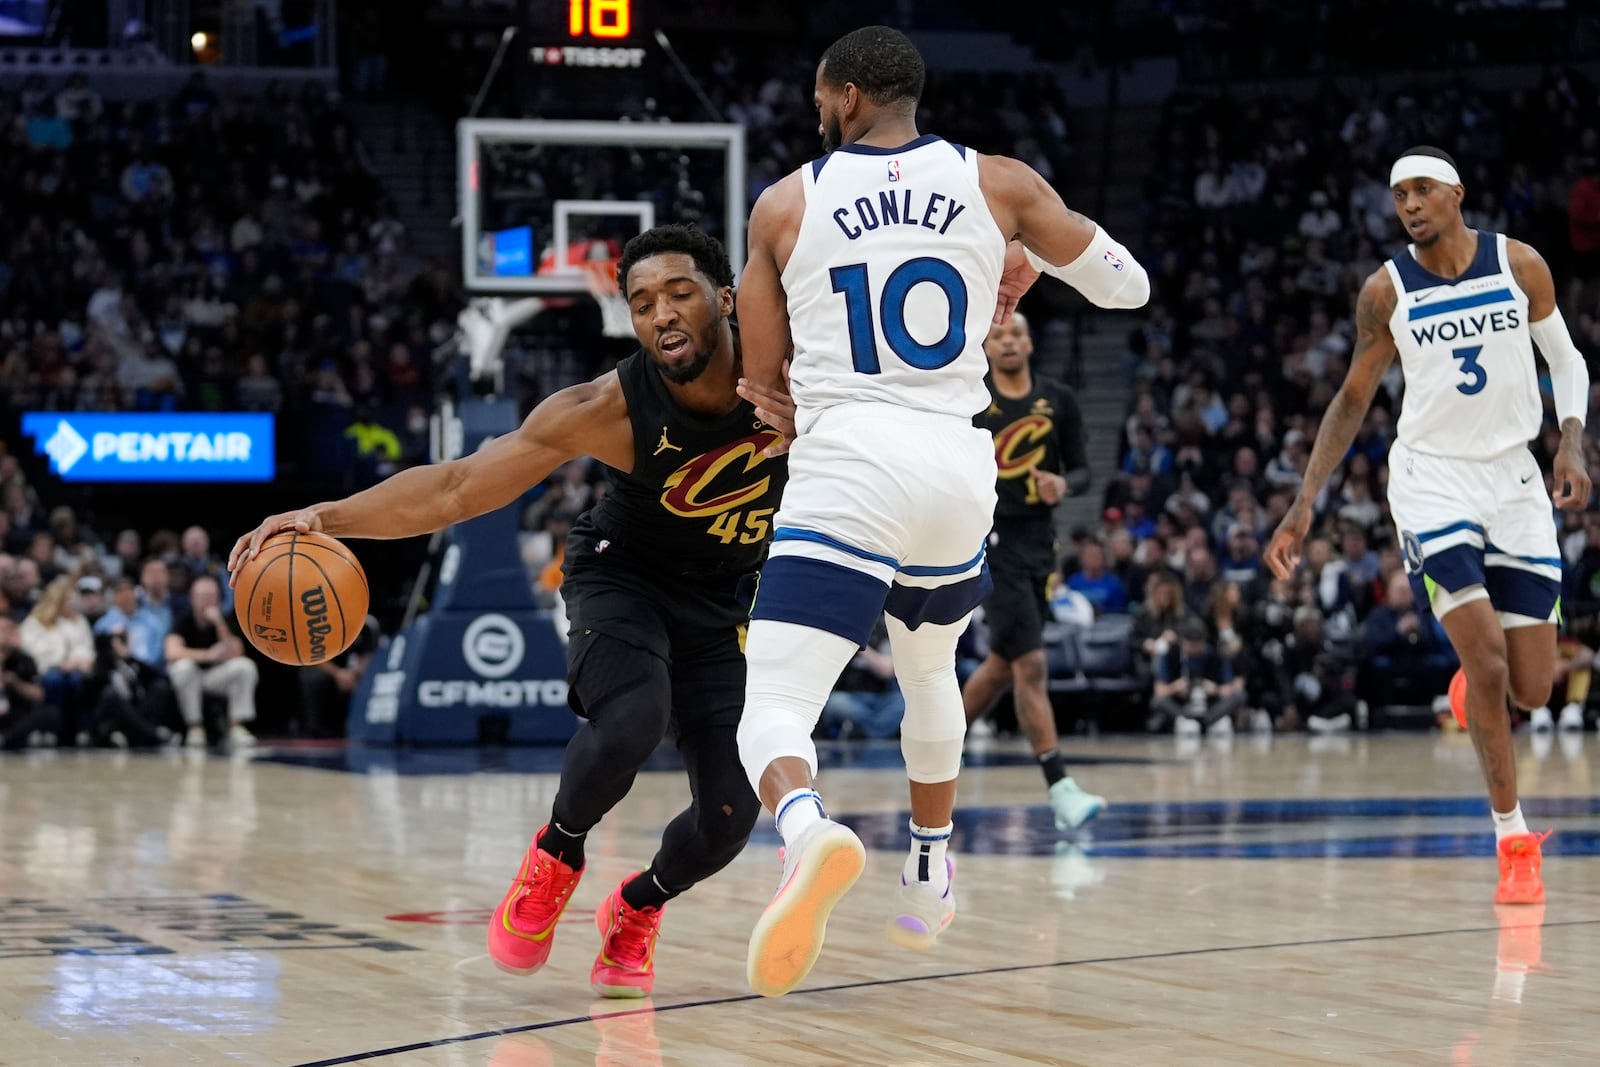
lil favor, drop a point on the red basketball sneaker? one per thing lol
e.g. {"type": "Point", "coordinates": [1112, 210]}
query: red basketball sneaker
{"type": "Point", "coordinates": [1520, 860]}
{"type": "Point", "coordinates": [626, 966]}
{"type": "Point", "coordinates": [524, 925]}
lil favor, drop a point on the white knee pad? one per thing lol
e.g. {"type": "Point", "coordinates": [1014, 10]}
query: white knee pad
{"type": "Point", "coordinates": [790, 670]}
{"type": "Point", "coordinates": [935, 724]}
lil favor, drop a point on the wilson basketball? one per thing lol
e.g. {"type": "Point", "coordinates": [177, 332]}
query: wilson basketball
{"type": "Point", "coordinates": [302, 600]}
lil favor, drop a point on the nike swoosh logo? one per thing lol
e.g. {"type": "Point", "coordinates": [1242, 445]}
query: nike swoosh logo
{"type": "Point", "coordinates": [1528, 479]}
{"type": "Point", "coordinates": [1417, 298]}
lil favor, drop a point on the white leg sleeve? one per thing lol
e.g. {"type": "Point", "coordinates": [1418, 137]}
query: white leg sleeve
{"type": "Point", "coordinates": [790, 672]}
{"type": "Point", "coordinates": [935, 723]}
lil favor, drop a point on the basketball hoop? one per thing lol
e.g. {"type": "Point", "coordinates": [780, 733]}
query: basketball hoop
{"type": "Point", "coordinates": [600, 278]}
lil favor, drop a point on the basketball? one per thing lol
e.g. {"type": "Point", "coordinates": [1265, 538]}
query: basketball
{"type": "Point", "coordinates": [1458, 698]}
{"type": "Point", "coordinates": [302, 600]}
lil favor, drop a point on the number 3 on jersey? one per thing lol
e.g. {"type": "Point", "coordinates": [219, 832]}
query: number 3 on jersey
{"type": "Point", "coordinates": [1471, 367]}
{"type": "Point", "coordinates": [854, 283]}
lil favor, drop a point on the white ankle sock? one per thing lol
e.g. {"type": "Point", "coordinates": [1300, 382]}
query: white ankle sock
{"type": "Point", "coordinates": [1509, 823]}
{"type": "Point", "coordinates": [926, 862]}
{"type": "Point", "coordinates": [798, 809]}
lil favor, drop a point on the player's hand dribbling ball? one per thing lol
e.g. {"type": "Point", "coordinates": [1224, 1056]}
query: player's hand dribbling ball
{"type": "Point", "coordinates": [1458, 698]}
{"type": "Point", "coordinates": [302, 599]}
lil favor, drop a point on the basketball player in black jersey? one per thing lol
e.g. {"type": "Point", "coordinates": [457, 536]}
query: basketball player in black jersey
{"type": "Point", "coordinates": [658, 578]}
{"type": "Point", "coordinates": [1040, 451]}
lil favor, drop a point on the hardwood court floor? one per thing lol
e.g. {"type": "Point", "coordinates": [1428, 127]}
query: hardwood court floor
{"type": "Point", "coordinates": [1295, 902]}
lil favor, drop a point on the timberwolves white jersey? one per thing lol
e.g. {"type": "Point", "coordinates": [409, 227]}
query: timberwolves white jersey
{"type": "Point", "coordinates": [1471, 388]}
{"type": "Point", "coordinates": [893, 280]}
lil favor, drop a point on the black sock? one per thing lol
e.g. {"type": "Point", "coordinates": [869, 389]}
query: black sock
{"type": "Point", "coordinates": [565, 845]}
{"type": "Point", "coordinates": [643, 891]}
{"type": "Point", "coordinates": [1053, 766]}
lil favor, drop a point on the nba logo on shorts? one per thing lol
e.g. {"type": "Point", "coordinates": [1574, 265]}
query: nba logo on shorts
{"type": "Point", "coordinates": [1116, 264]}
{"type": "Point", "coordinates": [894, 170]}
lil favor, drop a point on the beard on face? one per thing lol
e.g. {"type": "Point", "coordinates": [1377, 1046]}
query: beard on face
{"type": "Point", "coordinates": [705, 348]}
{"type": "Point", "coordinates": [832, 133]}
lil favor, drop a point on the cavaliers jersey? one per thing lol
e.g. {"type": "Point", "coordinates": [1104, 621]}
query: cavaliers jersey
{"type": "Point", "coordinates": [1472, 391]}
{"type": "Point", "coordinates": [699, 501]}
{"type": "Point", "coordinates": [893, 280]}
{"type": "Point", "coordinates": [1040, 431]}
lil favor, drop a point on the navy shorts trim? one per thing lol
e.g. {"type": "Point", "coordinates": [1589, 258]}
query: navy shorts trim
{"type": "Point", "coordinates": [821, 595]}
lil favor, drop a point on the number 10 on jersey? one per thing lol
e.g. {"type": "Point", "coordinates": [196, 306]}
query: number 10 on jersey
{"type": "Point", "coordinates": [855, 284]}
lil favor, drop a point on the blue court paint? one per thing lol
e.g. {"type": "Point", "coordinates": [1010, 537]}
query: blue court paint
{"type": "Point", "coordinates": [1363, 828]}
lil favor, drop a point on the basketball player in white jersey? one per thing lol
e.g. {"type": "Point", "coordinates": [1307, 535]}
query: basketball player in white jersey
{"type": "Point", "coordinates": [879, 265]}
{"type": "Point", "coordinates": [1463, 309]}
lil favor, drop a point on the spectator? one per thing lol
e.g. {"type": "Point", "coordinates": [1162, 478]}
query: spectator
{"type": "Point", "coordinates": [155, 593]}
{"type": "Point", "coordinates": [24, 716]}
{"type": "Point", "coordinates": [867, 700]}
{"type": "Point", "coordinates": [91, 598]}
{"type": "Point", "coordinates": [1243, 562]}
{"type": "Point", "coordinates": [61, 645]}
{"type": "Point", "coordinates": [123, 562]}
{"type": "Point", "coordinates": [1160, 618]}
{"type": "Point", "coordinates": [1583, 219]}
{"type": "Point", "coordinates": [1408, 657]}
{"type": "Point", "coordinates": [257, 390]}
{"type": "Point", "coordinates": [205, 657]}
{"type": "Point", "coordinates": [377, 447]}
{"type": "Point", "coordinates": [1099, 586]}
{"type": "Point", "coordinates": [142, 628]}
{"type": "Point", "coordinates": [132, 699]}
{"type": "Point", "coordinates": [1316, 684]}
{"type": "Point", "coordinates": [326, 687]}
{"type": "Point", "coordinates": [1319, 221]}
{"type": "Point", "coordinates": [1196, 687]}
{"type": "Point", "coordinates": [196, 557]}
{"type": "Point", "coordinates": [21, 586]}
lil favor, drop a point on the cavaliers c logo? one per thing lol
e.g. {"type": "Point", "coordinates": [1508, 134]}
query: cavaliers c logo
{"type": "Point", "coordinates": [692, 490]}
{"type": "Point", "coordinates": [1017, 449]}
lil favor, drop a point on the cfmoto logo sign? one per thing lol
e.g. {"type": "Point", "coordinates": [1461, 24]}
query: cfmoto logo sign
{"type": "Point", "coordinates": [493, 646]}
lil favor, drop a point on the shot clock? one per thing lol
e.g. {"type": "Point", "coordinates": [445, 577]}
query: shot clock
{"type": "Point", "coordinates": [588, 33]}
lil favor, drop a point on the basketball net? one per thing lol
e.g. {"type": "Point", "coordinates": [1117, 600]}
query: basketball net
{"type": "Point", "coordinates": [600, 278]}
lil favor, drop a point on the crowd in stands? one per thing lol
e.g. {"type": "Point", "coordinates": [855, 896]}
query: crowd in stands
{"type": "Point", "coordinates": [122, 641]}
{"type": "Point", "coordinates": [1264, 216]}
{"type": "Point", "coordinates": [212, 250]}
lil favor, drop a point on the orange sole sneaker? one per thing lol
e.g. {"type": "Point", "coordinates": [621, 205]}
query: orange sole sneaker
{"type": "Point", "coordinates": [788, 937]}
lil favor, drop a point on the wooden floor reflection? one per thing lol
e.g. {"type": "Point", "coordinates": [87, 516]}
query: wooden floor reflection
{"type": "Point", "coordinates": [1283, 902]}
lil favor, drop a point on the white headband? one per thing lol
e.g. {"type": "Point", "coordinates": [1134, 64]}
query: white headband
{"type": "Point", "coordinates": [1423, 167]}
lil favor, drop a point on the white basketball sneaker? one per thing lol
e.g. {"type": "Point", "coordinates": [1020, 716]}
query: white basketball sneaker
{"type": "Point", "coordinates": [818, 869]}
{"type": "Point", "coordinates": [1572, 717]}
{"type": "Point", "coordinates": [1072, 805]}
{"type": "Point", "coordinates": [920, 914]}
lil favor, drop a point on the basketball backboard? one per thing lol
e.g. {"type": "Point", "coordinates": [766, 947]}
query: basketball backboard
{"type": "Point", "coordinates": [538, 198]}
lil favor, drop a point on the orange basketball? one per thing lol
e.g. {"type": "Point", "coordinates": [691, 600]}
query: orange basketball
{"type": "Point", "coordinates": [302, 600]}
{"type": "Point", "coordinates": [1458, 698]}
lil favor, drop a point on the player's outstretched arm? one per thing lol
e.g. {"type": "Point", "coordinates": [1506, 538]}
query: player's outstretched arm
{"type": "Point", "coordinates": [1374, 352]}
{"type": "Point", "coordinates": [587, 419]}
{"type": "Point", "coordinates": [1061, 242]}
{"type": "Point", "coordinates": [1569, 374]}
{"type": "Point", "coordinates": [763, 306]}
